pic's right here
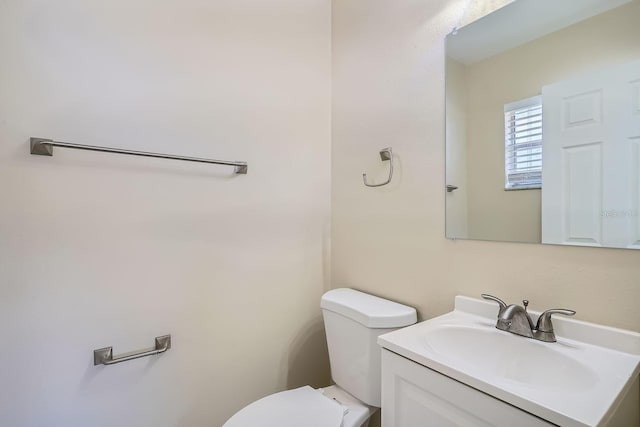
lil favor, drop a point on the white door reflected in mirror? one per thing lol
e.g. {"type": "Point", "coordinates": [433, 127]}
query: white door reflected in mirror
{"type": "Point", "coordinates": [591, 159]}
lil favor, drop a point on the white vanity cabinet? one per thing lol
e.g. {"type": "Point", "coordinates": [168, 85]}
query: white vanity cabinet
{"type": "Point", "coordinates": [458, 369]}
{"type": "Point", "coordinates": [416, 396]}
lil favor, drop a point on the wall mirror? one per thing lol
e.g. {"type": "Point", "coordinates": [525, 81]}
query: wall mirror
{"type": "Point", "coordinates": [543, 124]}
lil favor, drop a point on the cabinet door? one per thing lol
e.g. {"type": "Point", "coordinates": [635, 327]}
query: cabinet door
{"type": "Point", "coordinates": [416, 396]}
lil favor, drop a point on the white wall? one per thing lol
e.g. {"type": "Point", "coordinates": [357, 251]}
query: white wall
{"type": "Point", "coordinates": [388, 90]}
{"type": "Point", "coordinates": [99, 249]}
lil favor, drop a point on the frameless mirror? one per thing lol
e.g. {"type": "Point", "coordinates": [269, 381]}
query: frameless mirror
{"type": "Point", "coordinates": [543, 124]}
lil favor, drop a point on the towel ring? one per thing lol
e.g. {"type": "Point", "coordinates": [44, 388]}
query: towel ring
{"type": "Point", "coordinates": [386, 154]}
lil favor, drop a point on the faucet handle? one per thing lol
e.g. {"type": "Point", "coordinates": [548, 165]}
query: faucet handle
{"type": "Point", "coordinates": [544, 321]}
{"type": "Point", "coordinates": [502, 304]}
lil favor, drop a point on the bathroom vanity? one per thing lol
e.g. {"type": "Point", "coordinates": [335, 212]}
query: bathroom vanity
{"type": "Point", "coordinates": [459, 370]}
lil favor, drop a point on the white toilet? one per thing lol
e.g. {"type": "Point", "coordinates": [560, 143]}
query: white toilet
{"type": "Point", "coordinates": [353, 320]}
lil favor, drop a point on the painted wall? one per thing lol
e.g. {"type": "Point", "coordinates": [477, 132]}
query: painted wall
{"type": "Point", "coordinates": [388, 90]}
{"type": "Point", "coordinates": [609, 38]}
{"type": "Point", "coordinates": [99, 250]}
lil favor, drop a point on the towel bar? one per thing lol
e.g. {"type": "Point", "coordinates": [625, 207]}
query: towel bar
{"type": "Point", "coordinates": [44, 147]}
{"type": "Point", "coordinates": [104, 356]}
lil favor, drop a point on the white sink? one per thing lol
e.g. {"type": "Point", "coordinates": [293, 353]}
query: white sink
{"type": "Point", "coordinates": [528, 362]}
{"type": "Point", "coordinates": [577, 381]}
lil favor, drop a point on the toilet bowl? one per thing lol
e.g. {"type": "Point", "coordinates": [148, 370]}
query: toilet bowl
{"type": "Point", "coordinates": [353, 321]}
{"type": "Point", "coordinates": [305, 406]}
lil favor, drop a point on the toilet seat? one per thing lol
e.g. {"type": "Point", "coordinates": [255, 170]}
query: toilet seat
{"type": "Point", "coordinates": [302, 406]}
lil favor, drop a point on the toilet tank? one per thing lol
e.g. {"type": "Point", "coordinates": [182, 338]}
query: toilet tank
{"type": "Point", "coordinates": [353, 321]}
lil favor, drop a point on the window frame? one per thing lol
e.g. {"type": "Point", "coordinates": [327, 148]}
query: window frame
{"type": "Point", "coordinates": [510, 109]}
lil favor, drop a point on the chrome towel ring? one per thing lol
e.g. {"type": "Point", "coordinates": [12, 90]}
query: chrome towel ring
{"type": "Point", "coordinates": [386, 154]}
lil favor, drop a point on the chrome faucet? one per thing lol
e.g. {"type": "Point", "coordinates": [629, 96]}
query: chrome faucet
{"type": "Point", "coordinates": [515, 319]}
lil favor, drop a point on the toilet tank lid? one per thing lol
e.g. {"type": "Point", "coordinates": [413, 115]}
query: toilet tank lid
{"type": "Point", "coordinates": [369, 310]}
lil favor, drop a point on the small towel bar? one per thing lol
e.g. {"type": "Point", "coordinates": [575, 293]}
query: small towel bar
{"type": "Point", "coordinates": [104, 356]}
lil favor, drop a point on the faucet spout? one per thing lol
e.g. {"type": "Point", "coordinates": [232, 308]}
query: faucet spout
{"type": "Point", "coordinates": [516, 320]}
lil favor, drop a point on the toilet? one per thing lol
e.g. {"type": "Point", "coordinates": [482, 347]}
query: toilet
{"type": "Point", "coordinates": [353, 321]}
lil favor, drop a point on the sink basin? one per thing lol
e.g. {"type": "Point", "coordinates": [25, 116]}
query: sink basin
{"type": "Point", "coordinates": [526, 361]}
{"type": "Point", "coordinates": [578, 381]}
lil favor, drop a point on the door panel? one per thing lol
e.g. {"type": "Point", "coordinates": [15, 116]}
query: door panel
{"type": "Point", "coordinates": [591, 126]}
{"type": "Point", "coordinates": [582, 177]}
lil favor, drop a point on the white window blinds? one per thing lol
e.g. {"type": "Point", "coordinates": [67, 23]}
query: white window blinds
{"type": "Point", "coordinates": [523, 144]}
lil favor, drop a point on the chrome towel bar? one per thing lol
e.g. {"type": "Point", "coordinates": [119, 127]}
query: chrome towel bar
{"type": "Point", "coordinates": [44, 147]}
{"type": "Point", "coordinates": [104, 356]}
